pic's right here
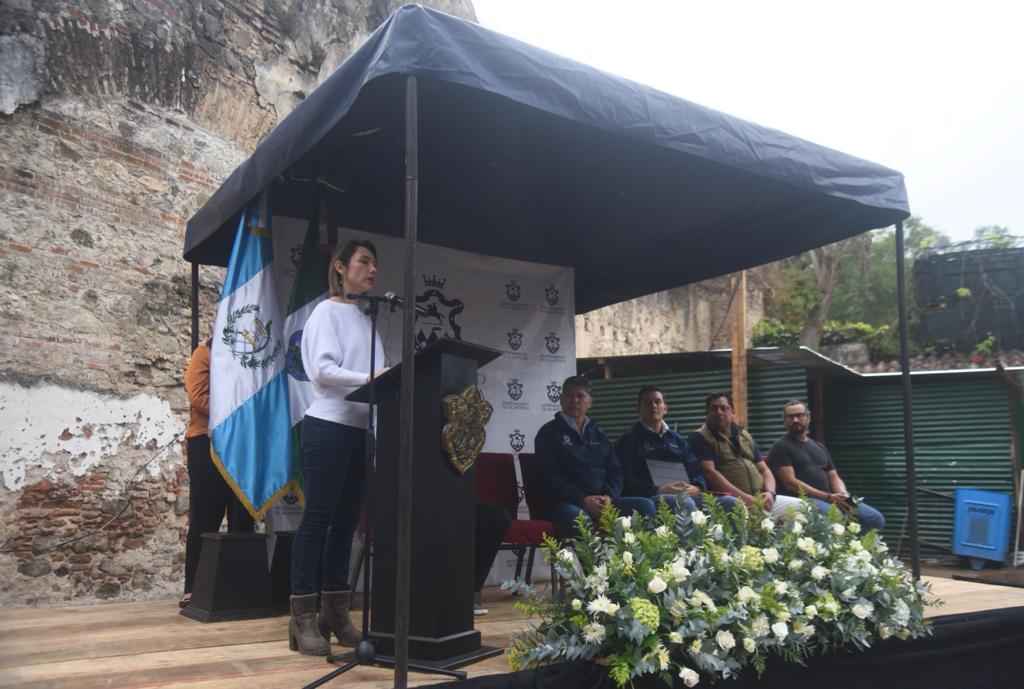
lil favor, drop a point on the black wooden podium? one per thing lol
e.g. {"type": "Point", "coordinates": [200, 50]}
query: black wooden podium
{"type": "Point", "coordinates": [441, 630]}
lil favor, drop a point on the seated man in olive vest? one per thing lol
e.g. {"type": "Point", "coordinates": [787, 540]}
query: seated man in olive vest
{"type": "Point", "coordinates": [731, 461]}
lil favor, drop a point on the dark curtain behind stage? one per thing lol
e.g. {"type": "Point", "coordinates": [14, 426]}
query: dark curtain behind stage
{"type": "Point", "coordinates": [983, 650]}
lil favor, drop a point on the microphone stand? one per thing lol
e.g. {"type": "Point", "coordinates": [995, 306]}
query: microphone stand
{"type": "Point", "coordinates": [365, 653]}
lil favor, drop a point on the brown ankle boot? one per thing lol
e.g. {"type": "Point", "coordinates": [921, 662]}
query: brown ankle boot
{"type": "Point", "coordinates": [334, 617]}
{"type": "Point", "coordinates": [303, 635]}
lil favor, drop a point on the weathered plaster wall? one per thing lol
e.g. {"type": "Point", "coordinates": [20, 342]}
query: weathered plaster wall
{"type": "Point", "coordinates": [684, 319]}
{"type": "Point", "coordinates": [117, 120]}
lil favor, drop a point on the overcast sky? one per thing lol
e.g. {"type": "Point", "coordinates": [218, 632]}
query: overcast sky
{"type": "Point", "coordinates": [932, 89]}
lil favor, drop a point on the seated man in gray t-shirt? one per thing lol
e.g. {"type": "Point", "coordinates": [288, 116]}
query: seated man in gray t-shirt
{"type": "Point", "coordinates": [801, 463]}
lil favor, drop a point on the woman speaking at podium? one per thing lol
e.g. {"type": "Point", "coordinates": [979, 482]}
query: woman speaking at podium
{"type": "Point", "coordinates": [336, 357]}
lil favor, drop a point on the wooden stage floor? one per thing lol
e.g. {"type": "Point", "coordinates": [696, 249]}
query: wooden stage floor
{"type": "Point", "coordinates": [151, 645]}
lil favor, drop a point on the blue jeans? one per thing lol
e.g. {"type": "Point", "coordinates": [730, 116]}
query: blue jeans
{"type": "Point", "coordinates": [726, 502]}
{"type": "Point", "coordinates": [564, 514]}
{"type": "Point", "coordinates": [868, 516]}
{"type": "Point", "coordinates": [688, 504]}
{"type": "Point", "coordinates": [334, 483]}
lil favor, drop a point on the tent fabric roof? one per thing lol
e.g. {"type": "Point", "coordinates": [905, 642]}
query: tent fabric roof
{"type": "Point", "coordinates": [528, 155]}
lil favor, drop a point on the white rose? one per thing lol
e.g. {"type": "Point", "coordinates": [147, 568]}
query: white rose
{"type": "Point", "coordinates": [796, 564]}
{"type": "Point", "coordinates": [662, 531]}
{"type": "Point", "coordinates": [725, 640]}
{"type": "Point", "coordinates": [848, 594]}
{"type": "Point", "coordinates": [780, 629]}
{"type": "Point", "coordinates": [770, 555]}
{"type": "Point", "coordinates": [689, 677]}
{"type": "Point", "coordinates": [805, 629]}
{"type": "Point", "coordinates": [656, 585]}
{"type": "Point", "coordinates": [798, 527]}
{"type": "Point", "coordinates": [627, 558]}
{"type": "Point", "coordinates": [838, 529]}
{"type": "Point", "coordinates": [717, 532]}
{"type": "Point", "coordinates": [783, 615]}
{"type": "Point", "coordinates": [749, 644]}
{"type": "Point", "coordinates": [811, 611]}
{"type": "Point", "coordinates": [746, 594]}
{"type": "Point", "coordinates": [800, 516]}
{"type": "Point", "coordinates": [679, 570]}
{"type": "Point", "coordinates": [577, 604]}
{"type": "Point", "coordinates": [626, 523]}
{"type": "Point", "coordinates": [818, 572]}
{"type": "Point", "coordinates": [566, 555]}
{"type": "Point", "coordinates": [675, 637]}
{"type": "Point", "coordinates": [629, 538]}
{"type": "Point", "coordinates": [698, 518]}
{"type": "Point", "coordinates": [767, 524]}
{"type": "Point", "coordinates": [884, 631]}
{"type": "Point", "coordinates": [781, 587]}
{"type": "Point", "coordinates": [853, 527]}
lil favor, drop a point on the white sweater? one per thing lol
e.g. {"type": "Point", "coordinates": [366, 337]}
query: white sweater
{"type": "Point", "coordinates": [336, 357]}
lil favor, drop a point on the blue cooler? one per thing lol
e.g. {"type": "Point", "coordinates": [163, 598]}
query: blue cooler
{"type": "Point", "coordinates": [981, 525]}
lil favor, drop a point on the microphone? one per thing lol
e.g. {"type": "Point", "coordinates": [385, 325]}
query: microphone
{"type": "Point", "coordinates": [390, 298]}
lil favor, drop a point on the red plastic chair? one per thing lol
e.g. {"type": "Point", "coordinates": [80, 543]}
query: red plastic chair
{"type": "Point", "coordinates": [496, 483]}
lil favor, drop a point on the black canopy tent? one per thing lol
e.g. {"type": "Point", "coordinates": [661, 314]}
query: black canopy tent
{"type": "Point", "coordinates": [448, 133]}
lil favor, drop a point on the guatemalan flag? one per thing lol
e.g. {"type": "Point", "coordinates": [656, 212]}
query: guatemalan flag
{"type": "Point", "coordinates": [250, 426]}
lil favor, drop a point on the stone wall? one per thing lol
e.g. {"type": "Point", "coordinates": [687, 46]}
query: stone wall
{"type": "Point", "coordinates": [685, 319]}
{"type": "Point", "coordinates": [117, 121]}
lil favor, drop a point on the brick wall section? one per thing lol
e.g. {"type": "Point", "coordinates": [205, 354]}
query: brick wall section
{"type": "Point", "coordinates": [136, 553]}
{"type": "Point", "coordinates": [143, 110]}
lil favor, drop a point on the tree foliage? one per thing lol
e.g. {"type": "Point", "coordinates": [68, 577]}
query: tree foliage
{"type": "Point", "coordinates": [842, 286]}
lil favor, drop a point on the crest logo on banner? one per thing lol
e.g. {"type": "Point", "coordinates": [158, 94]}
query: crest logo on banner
{"type": "Point", "coordinates": [515, 389]}
{"type": "Point", "coordinates": [290, 498]}
{"type": "Point", "coordinates": [516, 440]}
{"type": "Point", "coordinates": [554, 392]}
{"type": "Point", "coordinates": [515, 339]}
{"type": "Point", "coordinates": [551, 295]}
{"type": "Point", "coordinates": [293, 357]}
{"type": "Point", "coordinates": [552, 343]}
{"type": "Point", "coordinates": [295, 255]}
{"type": "Point", "coordinates": [513, 290]}
{"type": "Point", "coordinates": [247, 337]}
{"type": "Point", "coordinates": [441, 313]}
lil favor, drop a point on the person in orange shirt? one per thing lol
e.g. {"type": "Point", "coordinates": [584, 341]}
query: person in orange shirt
{"type": "Point", "coordinates": [210, 497]}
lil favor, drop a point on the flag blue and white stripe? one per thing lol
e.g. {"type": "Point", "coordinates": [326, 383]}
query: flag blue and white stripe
{"type": "Point", "coordinates": [250, 423]}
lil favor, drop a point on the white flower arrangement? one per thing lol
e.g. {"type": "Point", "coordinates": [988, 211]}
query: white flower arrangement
{"type": "Point", "coordinates": [708, 596]}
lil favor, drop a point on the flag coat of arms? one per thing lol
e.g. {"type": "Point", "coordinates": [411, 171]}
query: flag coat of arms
{"type": "Point", "coordinates": [250, 423]}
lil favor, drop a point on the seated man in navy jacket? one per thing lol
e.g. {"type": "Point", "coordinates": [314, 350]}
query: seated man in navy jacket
{"type": "Point", "coordinates": [649, 439]}
{"type": "Point", "coordinates": [578, 467]}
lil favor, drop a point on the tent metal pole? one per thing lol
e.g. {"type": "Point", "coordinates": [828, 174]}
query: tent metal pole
{"type": "Point", "coordinates": [405, 440]}
{"type": "Point", "coordinates": [195, 306]}
{"type": "Point", "coordinates": [908, 413]}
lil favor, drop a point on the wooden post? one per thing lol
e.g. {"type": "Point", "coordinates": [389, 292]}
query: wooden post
{"type": "Point", "coordinates": [739, 347]}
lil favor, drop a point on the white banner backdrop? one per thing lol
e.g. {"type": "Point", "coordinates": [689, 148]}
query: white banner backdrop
{"type": "Point", "coordinates": [523, 309]}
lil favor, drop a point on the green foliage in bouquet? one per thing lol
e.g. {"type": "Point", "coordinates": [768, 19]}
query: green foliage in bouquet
{"type": "Point", "coordinates": [712, 594]}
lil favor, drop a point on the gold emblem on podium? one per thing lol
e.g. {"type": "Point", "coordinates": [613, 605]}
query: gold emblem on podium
{"type": "Point", "coordinates": [463, 434]}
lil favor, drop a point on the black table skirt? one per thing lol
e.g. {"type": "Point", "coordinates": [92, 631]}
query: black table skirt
{"type": "Point", "coordinates": [979, 650]}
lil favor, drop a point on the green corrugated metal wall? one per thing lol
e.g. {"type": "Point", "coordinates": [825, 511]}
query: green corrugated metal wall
{"type": "Point", "coordinates": [769, 388]}
{"type": "Point", "coordinates": [962, 437]}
